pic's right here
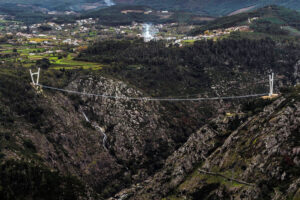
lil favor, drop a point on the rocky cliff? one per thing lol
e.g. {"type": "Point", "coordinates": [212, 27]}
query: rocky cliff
{"type": "Point", "coordinates": [89, 147]}
{"type": "Point", "coordinates": [106, 144]}
{"type": "Point", "coordinates": [257, 160]}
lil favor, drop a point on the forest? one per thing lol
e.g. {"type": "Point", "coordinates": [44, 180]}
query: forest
{"type": "Point", "coordinates": [270, 20]}
{"type": "Point", "coordinates": [113, 16]}
{"type": "Point", "coordinates": [21, 180]}
{"type": "Point", "coordinates": [161, 69]}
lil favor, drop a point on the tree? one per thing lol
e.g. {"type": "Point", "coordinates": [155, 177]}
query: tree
{"type": "Point", "coordinates": [43, 63]}
{"type": "Point", "coordinates": [45, 28]}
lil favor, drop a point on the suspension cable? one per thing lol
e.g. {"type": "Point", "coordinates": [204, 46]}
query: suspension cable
{"type": "Point", "coordinates": [149, 98]}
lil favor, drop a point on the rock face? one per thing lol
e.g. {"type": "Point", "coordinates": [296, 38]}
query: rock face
{"type": "Point", "coordinates": [152, 149]}
{"type": "Point", "coordinates": [138, 137]}
{"type": "Point", "coordinates": [258, 160]}
{"type": "Point", "coordinates": [134, 128]}
{"type": "Point", "coordinates": [106, 143]}
{"type": "Point", "coordinates": [178, 165]}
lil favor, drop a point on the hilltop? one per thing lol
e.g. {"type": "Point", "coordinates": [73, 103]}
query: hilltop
{"type": "Point", "coordinates": [213, 7]}
{"type": "Point", "coordinates": [259, 159]}
{"type": "Point", "coordinates": [146, 11]}
{"type": "Point", "coordinates": [56, 4]}
{"type": "Point", "coordinates": [271, 20]}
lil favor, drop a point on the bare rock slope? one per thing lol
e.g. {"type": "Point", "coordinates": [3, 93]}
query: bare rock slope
{"type": "Point", "coordinates": [258, 160]}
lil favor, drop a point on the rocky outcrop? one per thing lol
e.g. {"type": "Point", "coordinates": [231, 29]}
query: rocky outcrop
{"type": "Point", "coordinates": [262, 152]}
{"type": "Point", "coordinates": [134, 128]}
{"type": "Point", "coordinates": [177, 166]}
{"type": "Point", "coordinates": [149, 148]}
{"type": "Point", "coordinates": [115, 143]}
{"type": "Point", "coordinates": [138, 135]}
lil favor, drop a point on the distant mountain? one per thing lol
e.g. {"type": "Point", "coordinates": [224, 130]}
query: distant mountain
{"type": "Point", "coordinates": [59, 4]}
{"type": "Point", "coordinates": [274, 20]}
{"type": "Point", "coordinates": [36, 11]}
{"type": "Point", "coordinates": [212, 7]}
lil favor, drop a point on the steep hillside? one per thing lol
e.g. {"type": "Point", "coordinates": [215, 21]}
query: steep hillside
{"type": "Point", "coordinates": [56, 4]}
{"type": "Point", "coordinates": [114, 16]}
{"type": "Point", "coordinates": [204, 7]}
{"type": "Point", "coordinates": [206, 68]}
{"type": "Point", "coordinates": [89, 147]}
{"type": "Point", "coordinates": [97, 145]}
{"type": "Point", "coordinates": [214, 7]}
{"type": "Point", "coordinates": [273, 20]}
{"type": "Point", "coordinates": [257, 160]}
{"type": "Point", "coordinates": [34, 11]}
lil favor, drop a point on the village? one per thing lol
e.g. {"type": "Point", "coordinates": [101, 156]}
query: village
{"type": "Point", "coordinates": [60, 43]}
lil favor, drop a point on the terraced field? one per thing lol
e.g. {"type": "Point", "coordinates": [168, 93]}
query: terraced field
{"type": "Point", "coordinates": [70, 63]}
{"type": "Point", "coordinates": [28, 55]}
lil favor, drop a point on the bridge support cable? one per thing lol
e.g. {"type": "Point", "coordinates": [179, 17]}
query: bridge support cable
{"type": "Point", "coordinates": [170, 99]}
{"type": "Point", "coordinates": [151, 99]}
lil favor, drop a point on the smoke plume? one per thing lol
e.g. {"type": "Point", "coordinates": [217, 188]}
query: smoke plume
{"type": "Point", "coordinates": [149, 32]}
{"type": "Point", "coordinates": [109, 2]}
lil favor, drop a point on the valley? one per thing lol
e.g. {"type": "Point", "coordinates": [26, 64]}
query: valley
{"type": "Point", "coordinates": [139, 101]}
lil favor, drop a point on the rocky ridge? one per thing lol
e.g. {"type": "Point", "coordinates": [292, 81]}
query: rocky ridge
{"type": "Point", "coordinates": [140, 135]}
{"type": "Point", "coordinates": [152, 149]}
{"type": "Point", "coordinates": [266, 146]}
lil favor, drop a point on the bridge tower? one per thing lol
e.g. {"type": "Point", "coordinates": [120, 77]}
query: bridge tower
{"type": "Point", "coordinates": [35, 82]}
{"type": "Point", "coordinates": [271, 83]}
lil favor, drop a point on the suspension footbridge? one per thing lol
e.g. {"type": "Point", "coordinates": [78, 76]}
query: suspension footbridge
{"type": "Point", "coordinates": [35, 82]}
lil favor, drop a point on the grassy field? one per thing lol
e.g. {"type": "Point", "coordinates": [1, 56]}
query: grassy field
{"type": "Point", "coordinates": [28, 55]}
{"type": "Point", "coordinates": [70, 63]}
{"type": "Point", "coordinates": [293, 31]}
{"type": "Point", "coordinates": [66, 63]}
{"type": "Point", "coordinates": [39, 40]}
{"type": "Point", "coordinates": [188, 41]}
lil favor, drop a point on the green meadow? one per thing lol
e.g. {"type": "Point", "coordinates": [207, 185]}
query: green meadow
{"type": "Point", "coordinates": [28, 55]}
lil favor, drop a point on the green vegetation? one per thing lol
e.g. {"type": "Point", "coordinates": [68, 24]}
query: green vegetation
{"type": "Point", "coordinates": [233, 161]}
{"type": "Point", "coordinates": [212, 7]}
{"type": "Point", "coordinates": [70, 63]}
{"type": "Point", "coordinates": [268, 20]}
{"type": "Point", "coordinates": [24, 15]}
{"type": "Point", "coordinates": [113, 16]}
{"type": "Point", "coordinates": [21, 180]}
{"type": "Point", "coordinates": [163, 71]}
{"type": "Point", "coordinates": [50, 4]}
{"type": "Point", "coordinates": [33, 55]}
{"type": "Point", "coordinates": [256, 106]}
{"type": "Point", "coordinates": [19, 99]}
{"type": "Point", "coordinates": [43, 63]}
{"type": "Point", "coordinates": [205, 68]}
{"type": "Point", "coordinates": [28, 177]}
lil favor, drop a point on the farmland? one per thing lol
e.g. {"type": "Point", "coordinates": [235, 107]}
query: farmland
{"type": "Point", "coordinates": [24, 45]}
